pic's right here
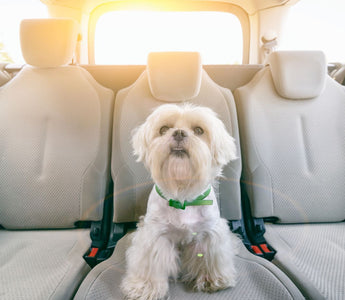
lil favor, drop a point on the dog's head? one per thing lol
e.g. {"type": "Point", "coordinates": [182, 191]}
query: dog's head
{"type": "Point", "coordinates": [184, 147]}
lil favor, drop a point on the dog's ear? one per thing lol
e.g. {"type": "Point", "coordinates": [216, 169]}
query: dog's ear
{"type": "Point", "coordinates": [140, 142]}
{"type": "Point", "coordinates": [223, 145]}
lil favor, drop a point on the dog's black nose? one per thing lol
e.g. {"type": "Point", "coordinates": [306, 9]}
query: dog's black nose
{"type": "Point", "coordinates": [179, 135]}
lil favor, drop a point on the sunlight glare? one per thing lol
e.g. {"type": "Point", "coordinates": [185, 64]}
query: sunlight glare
{"type": "Point", "coordinates": [126, 37]}
{"type": "Point", "coordinates": [316, 25]}
{"type": "Point", "coordinates": [11, 14]}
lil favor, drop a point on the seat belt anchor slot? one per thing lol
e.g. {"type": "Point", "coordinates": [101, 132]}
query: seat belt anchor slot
{"type": "Point", "coordinates": [259, 245]}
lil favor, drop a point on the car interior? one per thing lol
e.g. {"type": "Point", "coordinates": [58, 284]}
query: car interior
{"type": "Point", "coordinates": [72, 192]}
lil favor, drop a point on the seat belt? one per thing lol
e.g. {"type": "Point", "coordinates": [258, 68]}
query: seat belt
{"type": "Point", "coordinates": [259, 244]}
{"type": "Point", "coordinates": [255, 229]}
{"type": "Point", "coordinates": [237, 227]}
{"type": "Point", "coordinates": [100, 232]}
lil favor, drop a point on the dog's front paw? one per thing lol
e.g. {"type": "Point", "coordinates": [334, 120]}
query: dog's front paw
{"type": "Point", "coordinates": [137, 289]}
{"type": "Point", "coordinates": [210, 284]}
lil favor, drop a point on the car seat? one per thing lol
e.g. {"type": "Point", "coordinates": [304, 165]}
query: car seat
{"type": "Point", "coordinates": [176, 77]}
{"type": "Point", "coordinates": [292, 128]}
{"type": "Point", "coordinates": [55, 125]}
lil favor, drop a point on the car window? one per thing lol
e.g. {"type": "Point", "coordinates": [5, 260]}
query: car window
{"type": "Point", "coordinates": [126, 37]}
{"type": "Point", "coordinates": [316, 25]}
{"type": "Point", "coordinates": [11, 14]}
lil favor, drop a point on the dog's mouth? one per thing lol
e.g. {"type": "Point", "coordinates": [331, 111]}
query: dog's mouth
{"type": "Point", "coordinates": [179, 151]}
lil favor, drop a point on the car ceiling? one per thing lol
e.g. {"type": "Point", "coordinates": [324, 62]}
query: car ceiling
{"type": "Point", "coordinates": [250, 6]}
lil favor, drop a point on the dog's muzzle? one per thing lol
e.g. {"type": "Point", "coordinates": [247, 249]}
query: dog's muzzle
{"type": "Point", "coordinates": [179, 136]}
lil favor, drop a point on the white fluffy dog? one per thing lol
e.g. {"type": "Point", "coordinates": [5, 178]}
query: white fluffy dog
{"type": "Point", "coordinates": [185, 148]}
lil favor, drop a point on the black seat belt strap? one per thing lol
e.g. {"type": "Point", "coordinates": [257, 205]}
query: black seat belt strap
{"type": "Point", "coordinates": [100, 232]}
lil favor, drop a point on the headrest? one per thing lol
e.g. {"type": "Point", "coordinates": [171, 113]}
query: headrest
{"type": "Point", "coordinates": [174, 76]}
{"type": "Point", "coordinates": [298, 74]}
{"type": "Point", "coordinates": [48, 42]}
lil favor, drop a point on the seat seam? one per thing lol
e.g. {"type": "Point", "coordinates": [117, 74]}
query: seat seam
{"type": "Point", "coordinates": [94, 280]}
{"type": "Point", "coordinates": [67, 271]}
{"type": "Point", "coordinates": [82, 182]}
{"type": "Point", "coordinates": [272, 273]}
{"type": "Point", "coordinates": [261, 160]}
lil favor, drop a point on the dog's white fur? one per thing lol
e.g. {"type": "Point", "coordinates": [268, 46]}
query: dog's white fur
{"type": "Point", "coordinates": [195, 241]}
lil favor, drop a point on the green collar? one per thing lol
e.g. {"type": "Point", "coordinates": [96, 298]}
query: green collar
{"type": "Point", "coordinates": [196, 202]}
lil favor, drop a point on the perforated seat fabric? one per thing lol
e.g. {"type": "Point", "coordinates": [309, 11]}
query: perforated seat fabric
{"type": "Point", "coordinates": [55, 124]}
{"type": "Point", "coordinates": [292, 127]}
{"type": "Point", "coordinates": [258, 279]}
{"type": "Point", "coordinates": [313, 255]}
{"type": "Point", "coordinates": [54, 148]}
{"type": "Point", "coordinates": [42, 264]}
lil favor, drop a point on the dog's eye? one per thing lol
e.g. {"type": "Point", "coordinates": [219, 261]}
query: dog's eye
{"type": "Point", "coordinates": [163, 130]}
{"type": "Point", "coordinates": [198, 130]}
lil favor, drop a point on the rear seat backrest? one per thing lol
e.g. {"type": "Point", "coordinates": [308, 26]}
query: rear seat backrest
{"type": "Point", "coordinates": [54, 134]}
{"type": "Point", "coordinates": [291, 118]}
{"type": "Point", "coordinates": [170, 77]}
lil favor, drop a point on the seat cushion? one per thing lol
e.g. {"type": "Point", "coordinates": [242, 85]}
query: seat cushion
{"type": "Point", "coordinates": [313, 255]}
{"type": "Point", "coordinates": [42, 264]}
{"type": "Point", "coordinates": [258, 279]}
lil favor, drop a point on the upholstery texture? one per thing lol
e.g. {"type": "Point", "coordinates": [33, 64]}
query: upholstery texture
{"type": "Point", "coordinates": [313, 255]}
{"type": "Point", "coordinates": [293, 168]}
{"type": "Point", "coordinates": [42, 265]}
{"type": "Point", "coordinates": [132, 182]}
{"type": "Point", "coordinates": [54, 148]}
{"type": "Point", "coordinates": [55, 127]}
{"type": "Point", "coordinates": [293, 152]}
{"type": "Point", "coordinates": [258, 279]}
{"type": "Point", "coordinates": [298, 74]}
{"type": "Point", "coordinates": [48, 42]}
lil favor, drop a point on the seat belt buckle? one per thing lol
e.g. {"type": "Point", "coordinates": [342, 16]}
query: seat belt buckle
{"type": "Point", "coordinates": [91, 256]}
{"type": "Point", "coordinates": [96, 255]}
{"type": "Point", "coordinates": [256, 250]}
{"type": "Point", "coordinates": [93, 252]}
{"type": "Point", "coordinates": [263, 250]}
{"type": "Point", "coordinates": [268, 251]}
{"type": "Point", "coordinates": [259, 245]}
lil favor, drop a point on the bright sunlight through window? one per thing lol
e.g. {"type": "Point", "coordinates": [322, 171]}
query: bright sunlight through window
{"type": "Point", "coordinates": [126, 37]}
{"type": "Point", "coordinates": [316, 25]}
{"type": "Point", "coordinates": [11, 14]}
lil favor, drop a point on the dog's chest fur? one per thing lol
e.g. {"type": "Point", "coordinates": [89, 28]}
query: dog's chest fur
{"type": "Point", "coordinates": [182, 225]}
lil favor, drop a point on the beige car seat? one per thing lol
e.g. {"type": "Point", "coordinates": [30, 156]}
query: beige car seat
{"type": "Point", "coordinates": [176, 77]}
{"type": "Point", "coordinates": [292, 128]}
{"type": "Point", "coordinates": [55, 124]}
